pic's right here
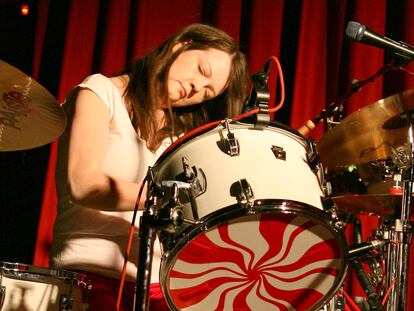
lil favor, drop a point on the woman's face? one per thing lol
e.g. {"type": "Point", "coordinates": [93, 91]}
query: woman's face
{"type": "Point", "coordinates": [197, 75]}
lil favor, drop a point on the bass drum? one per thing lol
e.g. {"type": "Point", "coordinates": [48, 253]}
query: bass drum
{"type": "Point", "coordinates": [249, 231]}
{"type": "Point", "coordinates": [31, 288]}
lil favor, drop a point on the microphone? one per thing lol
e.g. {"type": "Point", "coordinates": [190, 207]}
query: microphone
{"type": "Point", "coordinates": [361, 33]}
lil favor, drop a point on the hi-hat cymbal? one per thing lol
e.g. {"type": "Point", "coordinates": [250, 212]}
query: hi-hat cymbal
{"type": "Point", "coordinates": [368, 134]}
{"type": "Point", "coordinates": [29, 115]}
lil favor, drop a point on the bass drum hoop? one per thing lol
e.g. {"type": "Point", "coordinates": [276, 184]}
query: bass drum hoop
{"type": "Point", "coordinates": [260, 207]}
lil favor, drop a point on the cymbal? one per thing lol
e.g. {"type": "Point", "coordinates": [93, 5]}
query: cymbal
{"type": "Point", "coordinates": [368, 134]}
{"type": "Point", "coordinates": [369, 204]}
{"type": "Point", "coordinates": [29, 115]}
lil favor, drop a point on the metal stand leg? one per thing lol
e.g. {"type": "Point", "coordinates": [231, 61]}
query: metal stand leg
{"type": "Point", "coordinates": [402, 235]}
{"type": "Point", "coordinates": [399, 255]}
{"type": "Point", "coordinates": [146, 248]}
{"type": "Point", "coordinates": [373, 298]}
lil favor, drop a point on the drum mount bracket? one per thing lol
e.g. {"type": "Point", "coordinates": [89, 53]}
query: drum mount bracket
{"type": "Point", "coordinates": [312, 156]}
{"type": "Point", "coordinates": [229, 144]}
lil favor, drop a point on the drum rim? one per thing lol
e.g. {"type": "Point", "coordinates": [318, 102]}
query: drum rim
{"type": "Point", "coordinates": [260, 206]}
{"type": "Point", "coordinates": [18, 270]}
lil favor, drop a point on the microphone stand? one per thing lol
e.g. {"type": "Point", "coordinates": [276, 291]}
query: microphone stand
{"type": "Point", "coordinates": [337, 106]}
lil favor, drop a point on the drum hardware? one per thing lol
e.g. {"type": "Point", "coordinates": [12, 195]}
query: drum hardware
{"type": "Point", "coordinates": [174, 208]}
{"type": "Point", "coordinates": [29, 115]}
{"type": "Point", "coordinates": [337, 303]}
{"type": "Point", "coordinates": [242, 190]}
{"type": "Point", "coordinates": [365, 247]}
{"type": "Point", "coordinates": [400, 156]}
{"type": "Point", "coordinates": [399, 253]}
{"type": "Point", "coordinates": [375, 138]}
{"type": "Point", "coordinates": [27, 287]}
{"type": "Point", "coordinates": [229, 144]}
{"type": "Point", "coordinates": [372, 188]}
{"type": "Point", "coordinates": [372, 280]}
{"type": "Point", "coordinates": [330, 116]}
{"type": "Point", "coordinates": [169, 214]}
{"type": "Point", "coordinates": [168, 217]}
{"type": "Point", "coordinates": [194, 176]}
{"type": "Point", "coordinates": [259, 97]}
{"type": "Point", "coordinates": [146, 236]}
{"type": "Point", "coordinates": [372, 296]}
{"type": "Point", "coordinates": [330, 209]}
{"type": "Point", "coordinates": [279, 153]}
{"type": "Point", "coordinates": [313, 159]}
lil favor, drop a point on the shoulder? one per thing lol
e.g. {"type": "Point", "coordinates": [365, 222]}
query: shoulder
{"type": "Point", "coordinates": [96, 80]}
{"type": "Point", "coordinates": [103, 87]}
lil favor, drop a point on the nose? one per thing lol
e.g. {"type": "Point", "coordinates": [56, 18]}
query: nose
{"type": "Point", "coordinates": [198, 84]}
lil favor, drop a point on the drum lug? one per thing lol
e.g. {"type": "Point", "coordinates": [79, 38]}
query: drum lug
{"type": "Point", "coordinates": [230, 144]}
{"type": "Point", "coordinates": [330, 207]}
{"type": "Point", "coordinates": [242, 190]}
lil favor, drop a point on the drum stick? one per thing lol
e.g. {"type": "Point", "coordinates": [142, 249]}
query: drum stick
{"type": "Point", "coordinates": [307, 127]}
{"type": "Point", "coordinates": [311, 124]}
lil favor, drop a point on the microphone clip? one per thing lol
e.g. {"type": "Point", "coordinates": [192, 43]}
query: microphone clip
{"type": "Point", "coordinates": [259, 96]}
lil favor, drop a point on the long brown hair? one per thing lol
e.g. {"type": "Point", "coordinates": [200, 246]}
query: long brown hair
{"type": "Point", "coordinates": [146, 89]}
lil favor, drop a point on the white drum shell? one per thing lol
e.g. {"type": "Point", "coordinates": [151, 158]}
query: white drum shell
{"type": "Point", "coordinates": [268, 176]}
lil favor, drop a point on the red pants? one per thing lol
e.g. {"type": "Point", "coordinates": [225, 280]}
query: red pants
{"type": "Point", "coordinates": [104, 293]}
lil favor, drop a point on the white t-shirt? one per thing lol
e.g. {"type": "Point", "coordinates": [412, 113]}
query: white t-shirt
{"type": "Point", "coordinates": [89, 239]}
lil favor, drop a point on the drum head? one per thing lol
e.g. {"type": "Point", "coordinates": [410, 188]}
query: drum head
{"type": "Point", "coordinates": [281, 255]}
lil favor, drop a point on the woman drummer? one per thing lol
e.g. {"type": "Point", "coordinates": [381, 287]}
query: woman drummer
{"type": "Point", "coordinates": [117, 127]}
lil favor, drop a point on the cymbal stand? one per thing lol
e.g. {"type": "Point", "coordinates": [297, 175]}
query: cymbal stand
{"type": "Point", "coordinates": [401, 235]}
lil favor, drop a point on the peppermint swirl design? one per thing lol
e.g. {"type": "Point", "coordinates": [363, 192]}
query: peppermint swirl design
{"type": "Point", "coordinates": [272, 261]}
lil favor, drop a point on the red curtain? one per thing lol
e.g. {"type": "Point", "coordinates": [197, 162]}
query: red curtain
{"type": "Point", "coordinates": [307, 36]}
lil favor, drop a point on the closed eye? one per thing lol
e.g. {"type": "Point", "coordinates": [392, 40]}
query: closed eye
{"type": "Point", "coordinates": [201, 70]}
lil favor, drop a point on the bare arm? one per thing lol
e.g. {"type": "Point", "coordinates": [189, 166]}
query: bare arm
{"type": "Point", "coordinates": [89, 185]}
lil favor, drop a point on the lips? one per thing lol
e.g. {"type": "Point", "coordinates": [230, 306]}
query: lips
{"type": "Point", "coordinates": [183, 91]}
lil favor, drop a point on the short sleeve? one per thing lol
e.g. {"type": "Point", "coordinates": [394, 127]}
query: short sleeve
{"type": "Point", "coordinates": [103, 87]}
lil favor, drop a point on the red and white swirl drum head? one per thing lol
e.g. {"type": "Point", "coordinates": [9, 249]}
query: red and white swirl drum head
{"type": "Point", "coordinates": [260, 239]}
{"type": "Point", "coordinates": [278, 256]}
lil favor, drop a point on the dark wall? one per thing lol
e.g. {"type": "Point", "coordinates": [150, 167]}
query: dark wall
{"type": "Point", "coordinates": [22, 173]}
